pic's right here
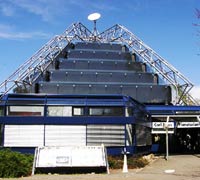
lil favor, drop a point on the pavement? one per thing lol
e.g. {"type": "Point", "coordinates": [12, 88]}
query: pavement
{"type": "Point", "coordinates": [178, 167]}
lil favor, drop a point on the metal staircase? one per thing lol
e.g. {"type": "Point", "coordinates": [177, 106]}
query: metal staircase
{"type": "Point", "coordinates": [28, 72]}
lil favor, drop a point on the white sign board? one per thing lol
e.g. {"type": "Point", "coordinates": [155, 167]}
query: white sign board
{"type": "Point", "coordinates": [71, 156]}
{"type": "Point", "coordinates": [170, 131]}
{"type": "Point", "coordinates": [188, 125]}
{"type": "Point", "coordinates": [161, 125]}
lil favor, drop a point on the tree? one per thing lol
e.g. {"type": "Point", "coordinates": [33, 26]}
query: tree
{"type": "Point", "coordinates": [197, 13]}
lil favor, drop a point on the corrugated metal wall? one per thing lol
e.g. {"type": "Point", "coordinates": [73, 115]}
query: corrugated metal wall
{"type": "Point", "coordinates": [65, 135]}
{"type": "Point", "coordinates": [60, 135]}
{"type": "Point", "coordinates": [23, 135]}
{"type": "Point", "coordinates": [109, 135]}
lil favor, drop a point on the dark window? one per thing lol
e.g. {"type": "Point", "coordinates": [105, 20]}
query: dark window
{"type": "Point", "coordinates": [106, 111]}
{"type": "Point", "coordinates": [129, 111]}
{"type": "Point", "coordinates": [1, 111]}
{"type": "Point", "coordinates": [1, 134]}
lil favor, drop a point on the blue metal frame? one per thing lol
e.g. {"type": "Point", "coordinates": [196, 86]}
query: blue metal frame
{"type": "Point", "coordinates": [85, 101]}
{"type": "Point", "coordinates": [172, 110]}
{"type": "Point", "coordinates": [28, 120]}
{"type": "Point", "coordinates": [72, 100]}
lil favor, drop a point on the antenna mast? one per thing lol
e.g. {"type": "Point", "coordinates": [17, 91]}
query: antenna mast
{"type": "Point", "coordinates": [94, 17]}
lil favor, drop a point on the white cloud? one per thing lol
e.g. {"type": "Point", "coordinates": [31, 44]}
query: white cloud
{"type": "Point", "coordinates": [22, 35]}
{"type": "Point", "coordinates": [48, 10]}
{"type": "Point", "coordinates": [6, 32]}
{"type": "Point", "coordinates": [195, 92]}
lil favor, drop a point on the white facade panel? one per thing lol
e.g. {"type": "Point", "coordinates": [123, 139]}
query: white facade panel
{"type": "Point", "coordinates": [65, 135]}
{"type": "Point", "coordinates": [109, 135]}
{"type": "Point", "coordinates": [23, 135]}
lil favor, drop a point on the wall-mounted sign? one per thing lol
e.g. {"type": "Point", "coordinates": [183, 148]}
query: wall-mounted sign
{"type": "Point", "coordinates": [161, 125]}
{"type": "Point", "coordinates": [188, 125]}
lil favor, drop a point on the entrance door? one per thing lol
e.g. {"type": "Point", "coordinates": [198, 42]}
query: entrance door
{"type": "Point", "coordinates": [188, 140]}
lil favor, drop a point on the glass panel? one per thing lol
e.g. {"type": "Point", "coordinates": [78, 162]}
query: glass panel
{"type": "Point", "coordinates": [25, 110]}
{"type": "Point", "coordinates": [1, 134]}
{"type": "Point", "coordinates": [25, 102]}
{"type": "Point", "coordinates": [59, 111]}
{"type": "Point", "coordinates": [78, 111]}
{"type": "Point", "coordinates": [129, 111]}
{"type": "Point", "coordinates": [67, 101]}
{"type": "Point", "coordinates": [106, 111]}
{"type": "Point", "coordinates": [1, 111]}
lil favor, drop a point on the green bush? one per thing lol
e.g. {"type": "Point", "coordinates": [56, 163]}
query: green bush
{"type": "Point", "coordinates": [116, 162]}
{"type": "Point", "coordinates": [15, 164]}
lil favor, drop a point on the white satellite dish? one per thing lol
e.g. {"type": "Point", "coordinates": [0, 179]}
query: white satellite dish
{"type": "Point", "coordinates": [94, 16]}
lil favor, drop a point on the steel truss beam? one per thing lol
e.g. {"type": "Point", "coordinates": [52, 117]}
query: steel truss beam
{"type": "Point", "coordinates": [29, 71]}
{"type": "Point", "coordinates": [159, 65]}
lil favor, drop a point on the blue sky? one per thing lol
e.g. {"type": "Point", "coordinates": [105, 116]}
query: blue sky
{"type": "Point", "coordinates": [165, 25]}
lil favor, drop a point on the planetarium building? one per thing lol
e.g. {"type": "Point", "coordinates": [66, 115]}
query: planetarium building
{"type": "Point", "coordinates": [85, 88]}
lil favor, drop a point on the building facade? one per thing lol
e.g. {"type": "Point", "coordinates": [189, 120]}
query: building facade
{"type": "Point", "coordinates": [78, 90]}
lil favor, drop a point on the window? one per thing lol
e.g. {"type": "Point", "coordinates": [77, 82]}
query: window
{"type": "Point", "coordinates": [78, 111]}
{"type": "Point", "coordinates": [1, 111]}
{"type": "Point", "coordinates": [129, 111]}
{"type": "Point", "coordinates": [1, 134]}
{"type": "Point", "coordinates": [25, 110]}
{"type": "Point", "coordinates": [106, 111]}
{"type": "Point", "coordinates": [59, 111]}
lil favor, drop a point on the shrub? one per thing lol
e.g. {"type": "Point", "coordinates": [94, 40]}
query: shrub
{"type": "Point", "coordinates": [137, 162]}
{"type": "Point", "coordinates": [15, 164]}
{"type": "Point", "coordinates": [116, 162]}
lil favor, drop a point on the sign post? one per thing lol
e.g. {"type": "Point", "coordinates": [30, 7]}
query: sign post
{"type": "Point", "coordinates": [125, 165]}
{"type": "Point", "coordinates": [167, 139]}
